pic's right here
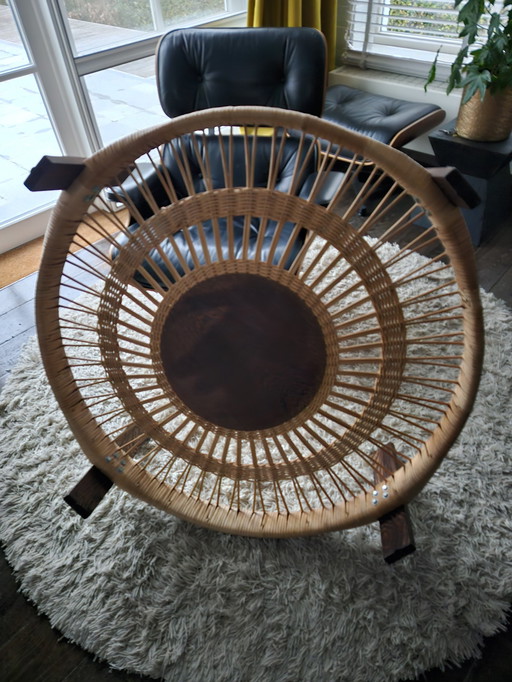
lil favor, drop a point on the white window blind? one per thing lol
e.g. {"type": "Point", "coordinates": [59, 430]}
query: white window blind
{"type": "Point", "coordinates": [401, 35]}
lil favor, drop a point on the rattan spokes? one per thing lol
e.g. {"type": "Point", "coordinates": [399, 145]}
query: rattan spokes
{"type": "Point", "coordinates": [247, 387]}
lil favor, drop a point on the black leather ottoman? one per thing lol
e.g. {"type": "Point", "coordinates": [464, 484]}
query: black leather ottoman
{"type": "Point", "coordinates": [387, 119]}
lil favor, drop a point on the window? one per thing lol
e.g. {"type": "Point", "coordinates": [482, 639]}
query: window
{"type": "Point", "coordinates": [97, 24]}
{"type": "Point", "coordinates": [26, 131]}
{"type": "Point", "coordinates": [402, 36]}
{"type": "Point", "coordinates": [74, 76]}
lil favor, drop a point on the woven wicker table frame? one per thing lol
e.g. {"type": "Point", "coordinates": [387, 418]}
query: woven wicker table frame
{"type": "Point", "coordinates": [248, 394]}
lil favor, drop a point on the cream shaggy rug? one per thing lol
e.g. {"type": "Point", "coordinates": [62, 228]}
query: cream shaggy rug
{"type": "Point", "coordinates": [154, 595]}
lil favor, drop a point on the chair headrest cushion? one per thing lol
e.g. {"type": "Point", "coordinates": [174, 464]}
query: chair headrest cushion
{"type": "Point", "coordinates": [279, 67]}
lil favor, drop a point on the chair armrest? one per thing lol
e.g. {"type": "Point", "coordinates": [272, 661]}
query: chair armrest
{"type": "Point", "coordinates": [328, 183]}
{"type": "Point", "coordinates": [129, 192]}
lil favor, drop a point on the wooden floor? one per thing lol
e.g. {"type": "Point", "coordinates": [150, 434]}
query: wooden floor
{"type": "Point", "coordinates": [30, 650]}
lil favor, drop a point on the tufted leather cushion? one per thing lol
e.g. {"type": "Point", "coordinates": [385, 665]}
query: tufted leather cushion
{"type": "Point", "coordinates": [279, 67]}
{"type": "Point", "coordinates": [378, 116]}
{"type": "Point", "coordinates": [195, 152]}
{"type": "Point", "coordinates": [192, 155]}
{"type": "Point", "coordinates": [167, 252]}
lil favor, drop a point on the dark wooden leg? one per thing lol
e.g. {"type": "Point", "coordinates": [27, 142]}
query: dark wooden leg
{"type": "Point", "coordinates": [92, 488]}
{"type": "Point", "coordinates": [395, 526]}
{"type": "Point", "coordinates": [88, 492]}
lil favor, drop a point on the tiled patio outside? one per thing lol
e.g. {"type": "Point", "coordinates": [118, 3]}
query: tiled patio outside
{"type": "Point", "coordinates": [124, 99]}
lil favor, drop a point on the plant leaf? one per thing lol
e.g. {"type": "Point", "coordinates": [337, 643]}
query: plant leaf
{"type": "Point", "coordinates": [431, 76]}
{"type": "Point", "coordinates": [475, 81]}
{"type": "Point", "coordinates": [455, 78]}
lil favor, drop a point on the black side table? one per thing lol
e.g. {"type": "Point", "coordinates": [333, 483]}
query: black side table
{"type": "Point", "coordinates": [485, 166]}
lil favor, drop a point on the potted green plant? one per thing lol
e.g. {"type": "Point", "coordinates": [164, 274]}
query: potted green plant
{"type": "Point", "coordinates": [483, 68]}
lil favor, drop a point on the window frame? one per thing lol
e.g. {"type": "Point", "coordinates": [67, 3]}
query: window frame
{"type": "Point", "coordinates": [367, 45]}
{"type": "Point", "coordinates": [59, 72]}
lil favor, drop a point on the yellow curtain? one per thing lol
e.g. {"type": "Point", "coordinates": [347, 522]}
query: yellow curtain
{"type": "Point", "coordinates": [319, 14]}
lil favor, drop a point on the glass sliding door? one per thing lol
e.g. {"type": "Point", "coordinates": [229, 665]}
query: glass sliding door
{"type": "Point", "coordinates": [97, 25]}
{"type": "Point", "coordinates": [76, 76]}
{"type": "Point", "coordinates": [124, 99]}
{"type": "Point", "coordinates": [26, 129]}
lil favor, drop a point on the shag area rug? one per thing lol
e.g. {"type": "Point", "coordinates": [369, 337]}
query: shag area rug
{"type": "Point", "coordinates": [154, 595]}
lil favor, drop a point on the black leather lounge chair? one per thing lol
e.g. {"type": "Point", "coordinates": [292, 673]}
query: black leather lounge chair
{"type": "Point", "coordinates": [207, 68]}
